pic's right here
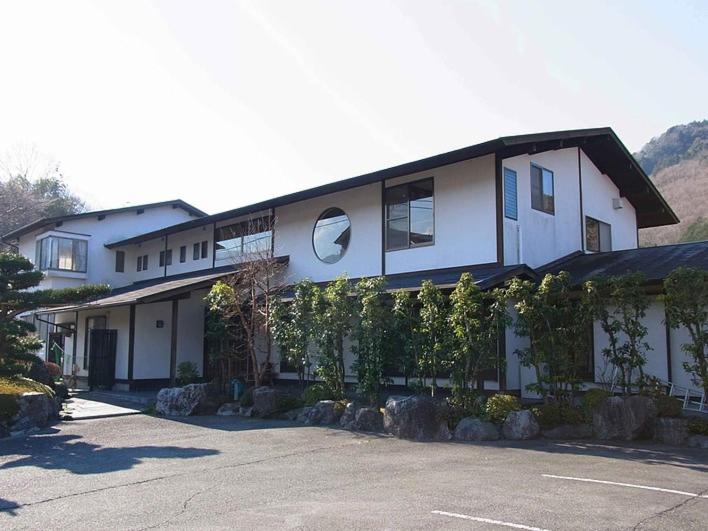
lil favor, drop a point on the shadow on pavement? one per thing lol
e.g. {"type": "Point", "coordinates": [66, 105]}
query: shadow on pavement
{"type": "Point", "coordinates": [8, 507]}
{"type": "Point", "coordinates": [68, 452]}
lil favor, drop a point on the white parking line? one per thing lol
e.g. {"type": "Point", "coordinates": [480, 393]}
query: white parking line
{"type": "Point", "coordinates": [631, 485]}
{"type": "Point", "coordinates": [489, 521]}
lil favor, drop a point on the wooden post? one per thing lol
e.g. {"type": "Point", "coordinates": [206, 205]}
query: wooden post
{"type": "Point", "coordinates": [131, 344]}
{"type": "Point", "coordinates": [173, 343]}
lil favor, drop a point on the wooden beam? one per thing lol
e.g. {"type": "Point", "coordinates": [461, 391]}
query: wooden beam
{"type": "Point", "coordinates": [131, 343]}
{"type": "Point", "coordinates": [173, 343]}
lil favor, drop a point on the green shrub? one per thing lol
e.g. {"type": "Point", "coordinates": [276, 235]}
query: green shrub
{"type": "Point", "coordinates": [16, 385]}
{"type": "Point", "coordinates": [668, 406]}
{"type": "Point", "coordinates": [317, 392]}
{"type": "Point", "coordinates": [698, 426]}
{"type": "Point", "coordinates": [187, 373]}
{"type": "Point", "coordinates": [287, 402]}
{"type": "Point", "coordinates": [465, 404]}
{"type": "Point", "coordinates": [247, 398]}
{"type": "Point", "coordinates": [8, 407]}
{"type": "Point", "coordinates": [500, 405]}
{"type": "Point", "coordinates": [557, 413]}
{"type": "Point", "coordinates": [593, 399]}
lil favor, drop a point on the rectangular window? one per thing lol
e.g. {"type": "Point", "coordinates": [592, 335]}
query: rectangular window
{"type": "Point", "coordinates": [63, 254]}
{"type": "Point", "coordinates": [598, 235]}
{"type": "Point", "coordinates": [205, 249]}
{"type": "Point", "coordinates": [120, 261]}
{"type": "Point", "coordinates": [183, 254]}
{"type": "Point", "coordinates": [145, 262]}
{"type": "Point", "coordinates": [168, 257]}
{"type": "Point", "coordinates": [542, 194]}
{"type": "Point", "coordinates": [195, 252]}
{"type": "Point", "coordinates": [511, 207]}
{"type": "Point", "coordinates": [410, 215]}
{"type": "Point", "coordinates": [248, 238]}
{"type": "Point", "coordinates": [140, 263]}
{"type": "Point", "coordinates": [162, 259]}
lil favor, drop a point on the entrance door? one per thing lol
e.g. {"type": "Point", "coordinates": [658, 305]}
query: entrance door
{"type": "Point", "coordinates": [102, 362]}
{"type": "Point", "coordinates": [97, 322]}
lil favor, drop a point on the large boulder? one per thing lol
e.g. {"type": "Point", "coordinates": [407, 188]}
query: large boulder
{"type": "Point", "coordinates": [349, 416]}
{"type": "Point", "coordinates": [35, 410]}
{"type": "Point", "coordinates": [418, 418]}
{"type": "Point", "coordinates": [670, 430]}
{"type": "Point", "coordinates": [474, 429]}
{"type": "Point", "coordinates": [568, 431]}
{"type": "Point", "coordinates": [520, 425]}
{"type": "Point", "coordinates": [183, 401]}
{"type": "Point", "coordinates": [265, 400]}
{"type": "Point", "coordinates": [228, 409]}
{"type": "Point", "coordinates": [625, 418]}
{"type": "Point", "coordinates": [368, 419]}
{"type": "Point", "coordinates": [323, 413]}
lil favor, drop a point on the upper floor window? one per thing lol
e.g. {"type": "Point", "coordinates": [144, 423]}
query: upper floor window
{"type": "Point", "coordinates": [183, 254]}
{"type": "Point", "coordinates": [62, 254]}
{"type": "Point", "coordinates": [598, 235]}
{"type": "Point", "coordinates": [195, 252]}
{"type": "Point", "coordinates": [243, 239]}
{"type": "Point", "coordinates": [511, 207]}
{"type": "Point", "coordinates": [542, 194]}
{"type": "Point", "coordinates": [166, 258]}
{"type": "Point", "coordinates": [330, 237]}
{"type": "Point", "coordinates": [205, 249]}
{"type": "Point", "coordinates": [120, 261]}
{"type": "Point", "coordinates": [142, 262]}
{"type": "Point", "coordinates": [410, 215]}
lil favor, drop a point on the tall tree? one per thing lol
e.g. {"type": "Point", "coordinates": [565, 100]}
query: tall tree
{"type": "Point", "coordinates": [405, 334]}
{"type": "Point", "coordinates": [432, 332]}
{"type": "Point", "coordinates": [686, 302]}
{"type": "Point", "coordinates": [17, 276]}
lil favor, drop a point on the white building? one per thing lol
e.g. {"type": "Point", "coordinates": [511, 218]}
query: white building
{"type": "Point", "coordinates": [512, 206]}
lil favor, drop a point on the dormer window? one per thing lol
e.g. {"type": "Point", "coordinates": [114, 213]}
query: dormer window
{"type": "Point", "coordinates": [62, 254]}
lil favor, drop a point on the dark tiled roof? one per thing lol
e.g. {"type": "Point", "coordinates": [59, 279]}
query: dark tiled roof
{"type": "Point", "coordinates": [485, 277]}
{"type": "Point", "coordinates": [654, 262]}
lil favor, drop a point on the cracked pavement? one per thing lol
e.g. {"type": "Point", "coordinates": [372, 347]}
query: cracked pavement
{"type": "Point", "coordinates": [141, 472]}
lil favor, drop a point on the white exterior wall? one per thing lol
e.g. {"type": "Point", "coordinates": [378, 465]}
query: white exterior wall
{"type": "Point", "coordinates": [465, 218]}
{"type": "Point", "coordinates": [293, 235]}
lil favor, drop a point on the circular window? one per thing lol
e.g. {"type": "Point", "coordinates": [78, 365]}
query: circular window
{"type": "Point", "coordinates": [330, 237]}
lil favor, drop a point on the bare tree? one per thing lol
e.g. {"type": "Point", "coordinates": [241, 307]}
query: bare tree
{"type": "Point", "coordinates": [244, 300]}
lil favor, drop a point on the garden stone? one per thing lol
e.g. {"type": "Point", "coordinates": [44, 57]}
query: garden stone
{"type": "Point", "coordinates": [625, 418]}
{"type": "Point", "coordinates": [349, 416]}
{"type": "Point", "coordinates": [245, 411]}
{"type": "Point", "coordinates": [35, 410]}
{"type": "Point", "coordinates": [228, 409]}
{"type": "Point", "coordinates": [419, 418]}
{"type": "Point", "coordinates": [520, 425]}
{"type": "Point", "coordinates": [698, 441]}
{"type": "Point", "coordinates": [670, 430]}
{"type": "Point", "coordinates": [182, 401]}
{"type": "Point", "coordinates": [265, 400]}
{"type": "Point", "coordinates": [569, 431]}
{"type": "Point", "coordinates": [62, 391]}
{"type": "Point", "coordinates": [323, 413]}
{"type": "Point", "coordinates": [4, 431]}
{"type": "Point", "coordinates": [368, 419]}
{"type": "Point", "coordinates": [474, 429]}
{"type": "Point", "coordinates": [293, 414]}
{"type": "Point", "coordinates": [302, 417]}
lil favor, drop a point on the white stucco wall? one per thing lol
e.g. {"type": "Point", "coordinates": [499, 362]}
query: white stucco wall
{"type": "Point", "coordinates": [152, 344]}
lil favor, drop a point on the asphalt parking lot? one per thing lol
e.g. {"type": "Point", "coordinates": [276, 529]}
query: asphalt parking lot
{"type": "Point", "coordinates": [141, 472]}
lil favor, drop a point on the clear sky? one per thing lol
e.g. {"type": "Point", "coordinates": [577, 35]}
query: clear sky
{"type": "Point", "coordinates": [223, 103]}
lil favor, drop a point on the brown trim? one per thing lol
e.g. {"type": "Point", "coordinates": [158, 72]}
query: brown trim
{"type": "Point", "coordinates": [499, 185]}
{"type": "Point", "coordinates": [582, 216]}
{"type": "Point", "coordinates": [383, 228]}
{"type": "Point", "coordinates": [131, 342]}
{"type": "Point", "coordinates": [164, 260]}
{"type": "Point", "coordinates": [173, 342]}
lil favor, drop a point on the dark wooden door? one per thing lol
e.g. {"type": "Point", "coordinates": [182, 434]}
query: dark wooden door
{"type": "Point", "coordinates": [102, 358]}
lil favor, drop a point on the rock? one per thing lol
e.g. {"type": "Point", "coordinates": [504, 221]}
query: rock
{"type": "Point", "coordinates": [4, 431]}
{"type": "Point", "coordinates": [520, 425]}
{"type": "Point", "coordinates": [35, 410]}
{"type": "Point", "coordinates": [302, 417]}
{"type": "Point", "coordinates": [368, 419]}
{"type": "Point", "coordinates": [349, 416]}
{"type": "Point", "coordinates": [419, 418]}
{"type": "Point", "coordinates": [228, 409]}
{"type": "Point", "coordinates": [569, 431]}
{"type": "Point", "coordinates": [669, 430]}
{"type": "Point", "coordinates": [245, 411]}
{"type": "Point", "coordinates": [323, 413]}
{"type": "Point", "coordinates": [182, 401]}
{"type": "Point", "coordinates": [698, 441]}
{"type": "Point", "coordinates": [62, 391]}
{"type": "Point", "coordinates": [265, 400]}
{"type": "Point", "coordinates": [293, 414]}
{"type": "Point", "coordinates": [624, 418]}
{"type": "Point", "coordinates": [474, 429]}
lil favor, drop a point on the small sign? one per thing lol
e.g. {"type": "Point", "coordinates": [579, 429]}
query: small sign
{"type": "Point", "coordinates": [160, 323]}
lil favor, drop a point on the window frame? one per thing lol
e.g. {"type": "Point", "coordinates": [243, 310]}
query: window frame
{"type": "Point", "coordinates": [242, 230]}
{"type": "Point", "coordinates": [40, 254]}
{"type": "Point", "coordinates": [196, 251]}
{"type": "Point", "coordinates": [387, 219]}
{"type": "Point", "coordinates": [182, 254]}
{"type": "Point", "coordinates": [600, 224]}
{"type": "Point", "coordinates": [314, 228]}
{"type": "Point", "coordinates": [539, 207]}
{"type": "Point", "coordinates": [205, 249]}
{"type": "Point", "coordinates": [120, 261]}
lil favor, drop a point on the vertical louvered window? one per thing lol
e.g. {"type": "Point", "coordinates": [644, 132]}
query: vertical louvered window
{"type": "Point", "coordinates": [511, 207]}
